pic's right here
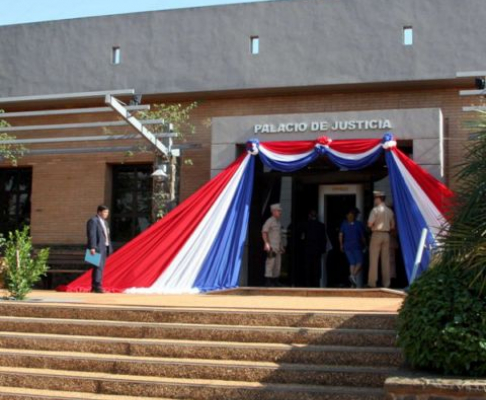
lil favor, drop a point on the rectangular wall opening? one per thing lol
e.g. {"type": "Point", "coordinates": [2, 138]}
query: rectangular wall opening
{"type": "Point", "coordinates": [116, 55]}
{"type": "Point", "coordinates": [407, 36]}
{"type": "Point", "coordinates": [254, 45]}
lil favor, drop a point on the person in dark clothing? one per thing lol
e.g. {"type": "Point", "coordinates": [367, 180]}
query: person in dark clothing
{"type": "Point", "coordinates": [99, 241]}
{"type": "Point", "coordinates": [315, 239]}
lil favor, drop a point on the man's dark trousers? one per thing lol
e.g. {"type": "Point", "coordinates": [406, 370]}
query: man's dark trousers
{"type": "Point", "coordinates": [97, 273]}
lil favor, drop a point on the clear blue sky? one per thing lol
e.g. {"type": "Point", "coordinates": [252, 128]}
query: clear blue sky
{"type": "Point", "coordinates": [22, 11]}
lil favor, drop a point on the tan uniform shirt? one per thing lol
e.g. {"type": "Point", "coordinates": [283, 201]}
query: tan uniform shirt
{"type": "Point", "coordinates": [382, 218]}
{"type": "Point", "coordinates": [274, 230]}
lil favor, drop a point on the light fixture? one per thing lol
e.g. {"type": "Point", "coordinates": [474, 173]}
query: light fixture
{"type": "Point", "coordinates": [160, 173]}
{"type": "Point", "coordinates": [480, 83]}
{"type": "Point", "coordinates": [136, 100]}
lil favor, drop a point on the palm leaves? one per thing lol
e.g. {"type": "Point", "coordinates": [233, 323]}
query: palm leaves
{"type": "Point", "coordinates": [464, 243]}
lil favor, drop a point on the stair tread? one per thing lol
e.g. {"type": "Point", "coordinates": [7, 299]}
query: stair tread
{"type": "Point", "coordinates": [193, 309]}
{"type": "Point", "coordinates": [186, 382]}
{"type": "Point", "coordinates": [196, 362]}
{"type": "Point", "coordinates": [67, 321]}
{"type": "Point", "coordinates": [186, 342]}
{"type": "Point", "coordinates": [63, 395]}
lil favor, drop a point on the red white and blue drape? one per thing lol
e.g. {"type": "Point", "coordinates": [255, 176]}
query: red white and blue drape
{"type": "Point", "coordinates": [199, 245]}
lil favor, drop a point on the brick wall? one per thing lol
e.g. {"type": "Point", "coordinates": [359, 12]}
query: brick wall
{"type": "Point", "coordinates": [67, 188]}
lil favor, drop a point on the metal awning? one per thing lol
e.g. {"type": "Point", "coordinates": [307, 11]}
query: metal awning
{"type": "Point", "coordinates": [472, 92]}
{"type": "Point", "coordinates": [112, 105]}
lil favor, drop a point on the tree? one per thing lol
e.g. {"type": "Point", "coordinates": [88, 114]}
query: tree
{"type": "Point", "coordinates": [176, 119]}
{"type": "Point", "coordinates": [442, 323]}
{"type": "Point", "coordinates": [21, 269]}
{"type": "Point", "coordinates": [464, 243]}
{"type": "Point", "coordinates": [9, 151]}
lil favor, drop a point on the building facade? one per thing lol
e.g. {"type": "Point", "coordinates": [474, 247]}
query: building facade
{"type": "Point", "coordinates": [283, 70]}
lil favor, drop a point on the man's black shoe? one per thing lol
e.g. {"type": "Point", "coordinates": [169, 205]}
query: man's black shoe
{"type": "Point", "coordinates": [97, 290]}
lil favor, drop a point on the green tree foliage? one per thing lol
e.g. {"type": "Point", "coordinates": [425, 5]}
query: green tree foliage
{"type": "Point", "coordinates": [464, 243]}
{"type": "Point", "coordinates": [177, 120]}
{"type": "Point", "coordinates": [9, 151]}
{"type": "Point", "coordinates": [176, 114]}
{"type": "Point", "coordinates": [442, 323]}
{"type": "Point", "coordinates": [22, 270]}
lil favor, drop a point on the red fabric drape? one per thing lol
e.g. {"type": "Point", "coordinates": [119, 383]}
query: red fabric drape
{"type": "Point", "coordinates": [354, 146]}
{"type": "Point", "coordinates": [299, 146]}
{"type": "Point", "coordinates": [437, 192]}
{"type": "Point", "coordinates": [142, 260]}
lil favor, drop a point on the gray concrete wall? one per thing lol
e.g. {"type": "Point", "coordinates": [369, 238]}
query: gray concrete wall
{"type": "Point", "coordinates": [422, 125]}
{"type": "Point", "coordinates": [303, 43]}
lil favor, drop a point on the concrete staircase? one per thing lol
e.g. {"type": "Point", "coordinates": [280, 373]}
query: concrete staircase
{"type": "Point", "coordinates": [127, 353]}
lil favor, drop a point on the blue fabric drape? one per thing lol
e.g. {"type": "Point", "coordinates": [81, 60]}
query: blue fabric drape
{"type": "Point", "coordinates": [292, 166]}
{"type": "Point", "coordinates": [341, 162]}
{"type": "Point", "coordinates": [410, 221]}
{"type": "Point", "coordinates": [221, 268]}
{"type": "Point", "coordinates": [355, 164]}
{"type": "Point", "coordinates": [222, 264]}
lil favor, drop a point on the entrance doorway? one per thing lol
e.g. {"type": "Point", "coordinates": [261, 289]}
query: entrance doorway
{"type": "Point", "coordinates": [334, 203]}
{"type": "Point", "coordinates": [331, 192]}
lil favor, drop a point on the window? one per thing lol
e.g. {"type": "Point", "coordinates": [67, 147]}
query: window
{"type": "Point", "coordinates": [254, 45]}
{"type": "Point", "coordinates": [15, 189]}
{"type": "Point", "coordinates": [116, 55]}
{"type": "Point", "coordinates": [132, 201]}
{"type": "Point", "coordinates": [407, 35]}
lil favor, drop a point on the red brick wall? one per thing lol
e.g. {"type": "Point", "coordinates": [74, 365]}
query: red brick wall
{"type": "Point", "coordinates": [67, 188]}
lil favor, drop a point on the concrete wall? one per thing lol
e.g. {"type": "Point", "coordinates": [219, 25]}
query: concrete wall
{"type": "Point", "coordinates": [303, 43]}
{"type": "Point", "coordinates": [423, 126]}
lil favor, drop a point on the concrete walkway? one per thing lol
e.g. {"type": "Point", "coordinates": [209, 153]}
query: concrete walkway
{"type": "Point", "coordinates": [357, 301]}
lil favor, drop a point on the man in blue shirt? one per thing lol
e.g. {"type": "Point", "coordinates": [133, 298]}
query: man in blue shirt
{"type": "Point", "coordinates": [352, 241]}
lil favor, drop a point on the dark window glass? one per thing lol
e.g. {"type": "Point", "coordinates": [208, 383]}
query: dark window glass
{"type": "Point", "coordinates": [132, 201]}
{"type": "Point", "coordinates": [15, 189]}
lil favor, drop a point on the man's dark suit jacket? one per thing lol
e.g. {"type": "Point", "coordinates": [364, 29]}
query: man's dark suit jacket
{"type": "Point", "coordinates": [315, 236]}
{"type": "Point", "coordinates": [96, 236]}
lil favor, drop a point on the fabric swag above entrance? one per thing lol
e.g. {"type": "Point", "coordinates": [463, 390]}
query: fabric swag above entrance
{"type": "Point", "coordinates": [199, 245]}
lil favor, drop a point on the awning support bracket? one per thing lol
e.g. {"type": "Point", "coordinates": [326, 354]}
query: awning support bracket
{"type": "Point", "coordinates": [117, 106]}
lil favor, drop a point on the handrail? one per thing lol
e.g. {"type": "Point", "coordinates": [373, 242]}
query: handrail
{"type": "Point", "coordinates": [419, 255]}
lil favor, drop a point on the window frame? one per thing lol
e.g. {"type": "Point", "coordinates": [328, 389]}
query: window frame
{"type": "Point", "coordinates": [254, 45]}
{"type": "Point", "coordinates": [135, 191]}
{"type": "Point", "coordinates": [18, 219]}
{"type": "Point", "coordinates": [116, 55]}
{"type": "Point", "coordinates": [408, 35]}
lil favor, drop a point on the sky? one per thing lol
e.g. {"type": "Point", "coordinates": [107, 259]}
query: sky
{"type": "Point", "coordinates": [22, 11]}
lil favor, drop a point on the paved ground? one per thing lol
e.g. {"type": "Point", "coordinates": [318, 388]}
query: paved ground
{"type": "Point", "coordinates": [360, 301]}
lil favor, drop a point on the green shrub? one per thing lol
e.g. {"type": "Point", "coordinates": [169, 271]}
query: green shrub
{"type": "Point", "coordinates": [22, 270]}
{"type": "Point", "coordinates": [442, 323]}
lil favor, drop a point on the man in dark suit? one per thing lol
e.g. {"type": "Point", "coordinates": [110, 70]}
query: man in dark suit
{"type": "Point", "coordinates": [99, 241]}
{"type": "Point", "coordinates": [315, 241]}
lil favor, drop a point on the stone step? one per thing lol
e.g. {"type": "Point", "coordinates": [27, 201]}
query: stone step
{"type": "Point", "coordinates": [201, 316]}
{"type": "Point", "coordinates": [176, 388]}
{"type": "Point", "coordinates": [174, 348]}
{"type": "Point", "coordinates": [236, 333]}
{"type": "Point", "coordinates": [12, 393]}
{"type": "Point", "coordinates": [224, 370]}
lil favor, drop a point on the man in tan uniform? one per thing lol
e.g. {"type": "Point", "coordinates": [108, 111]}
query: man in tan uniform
{"type": "Point", "coordinates": [381, 221]}
{"type": "Point", "coordinates": [273, 245]}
